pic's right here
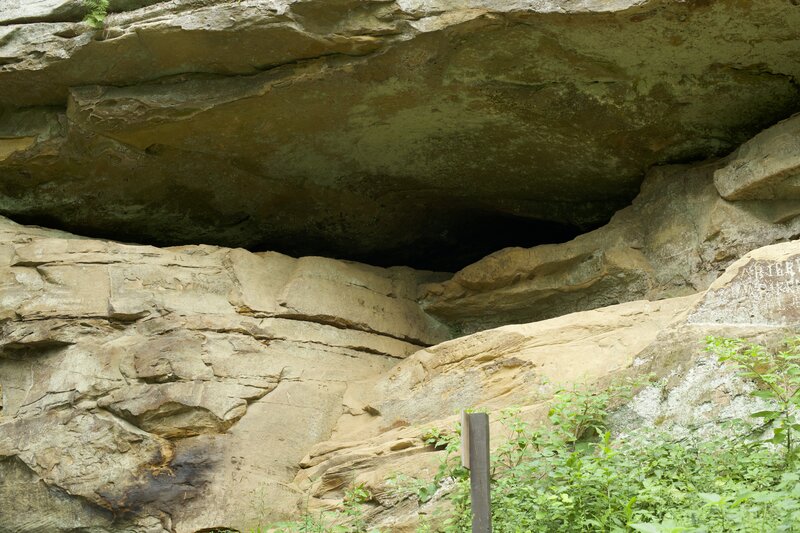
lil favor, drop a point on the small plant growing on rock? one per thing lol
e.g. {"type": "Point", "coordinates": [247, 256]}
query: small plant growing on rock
{"type": "Point", "coordinates": [354, 499]}
{"type": "Point", "coordinates": [98, 11]}
{"type": "Point", "coordinates": [350, 519]}
{"type": "Point", "coordinates": [577, 414]}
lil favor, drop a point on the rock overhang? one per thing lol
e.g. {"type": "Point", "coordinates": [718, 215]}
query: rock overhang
{"type": "Point", "coordinates": [385, 132]}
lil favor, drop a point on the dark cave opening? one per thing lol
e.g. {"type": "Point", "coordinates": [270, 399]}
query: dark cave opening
{"type": "Point", "coordinates": [447, 247]}
{"type": "Point", "coordinates": [473, 237]}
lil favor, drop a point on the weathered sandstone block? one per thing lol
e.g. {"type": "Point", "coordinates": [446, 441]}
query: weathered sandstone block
{"type": "Point", "coordinates": [765, 167]}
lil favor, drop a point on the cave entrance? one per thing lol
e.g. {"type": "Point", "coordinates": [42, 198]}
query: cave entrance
{"type": "Point", "coordinates": [473, 237]}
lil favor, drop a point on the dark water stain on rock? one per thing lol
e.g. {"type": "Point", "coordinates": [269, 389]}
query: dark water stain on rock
{"type": "Point", "coordinates": [182, 478]}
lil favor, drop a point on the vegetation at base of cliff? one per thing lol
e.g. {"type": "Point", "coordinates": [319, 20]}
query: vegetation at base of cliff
{"type": "Point", "coordinates": [777, 376]}
{"type": "Point", "coordinates": [574, 477]}
{"type": "Point", "coordinates": [350, 519]}
{"type": "Point", "coordinates": [98, 11]}
{"type": "Point", "coordinates": [646, 482]}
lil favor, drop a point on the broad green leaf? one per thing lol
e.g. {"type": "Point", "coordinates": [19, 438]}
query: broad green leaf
{"type": "Point", "coordinates": [711, 497]}
{"type": "Point", "coordinates": [769, 415]}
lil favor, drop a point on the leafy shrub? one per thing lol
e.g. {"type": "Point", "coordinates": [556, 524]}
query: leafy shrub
{"type": "Point", "coordinates": [574, 477]}
{"type": "Point", "coordinates": [777, 376]}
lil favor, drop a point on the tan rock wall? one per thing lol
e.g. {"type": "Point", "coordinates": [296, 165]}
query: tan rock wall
{"type": "Point", "coordinates": [195, 387]}
{"type": "Point", "coordinates": [522, 366]}
{"type": "Point", "coordinates": [169, 389]}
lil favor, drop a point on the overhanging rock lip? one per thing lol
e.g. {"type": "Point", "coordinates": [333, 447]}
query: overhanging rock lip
{"type": "Point", "coordinates": [765, 167]}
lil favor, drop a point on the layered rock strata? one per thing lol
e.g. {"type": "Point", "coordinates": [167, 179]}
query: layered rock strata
{"type": "Point", "coordinates": [757, 297]}
{"type": "Point", "coordinates": [195, 388]}
{"type": "Point", "coordinates": [387, 131]}
{"type": "Point", "coordinates": [146, 389]}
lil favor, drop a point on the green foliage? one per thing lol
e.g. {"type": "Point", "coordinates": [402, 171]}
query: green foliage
{"type": "Point", "coordinates": [306, 524]}
{"type": "Point", "coordinates": [353, 500]}
{"type": "Point", "coordinates": [421, 489]}
{"type": "Point", "coordinates": [98, 11]}
{"type": "Point", "coordinates": [449, 467]}
{"type": "Point", "coordinates": [574, 477]}
{"type": "Point", "coordinates": [777, 376]}
{"type": "Point", "coordinates": [577, 413]}
{"type": "Point", "coordinates": [350, 519]}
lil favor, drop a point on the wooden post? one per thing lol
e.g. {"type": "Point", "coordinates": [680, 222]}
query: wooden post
{"type": "Point", "coordinates": [465, 439]}
{"type": "Point", "coordinates": [475, 456]}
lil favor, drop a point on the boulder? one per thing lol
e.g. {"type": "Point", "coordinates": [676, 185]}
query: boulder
{"type": "Point", "coordinates": [765, 167]}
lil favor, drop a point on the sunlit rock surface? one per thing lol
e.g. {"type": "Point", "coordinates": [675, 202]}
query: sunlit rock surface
{"type": "Point", "coordinates": [522, 366]}
{"type": "Point", "coordinates": [164, 386]}
{"type": "Point", "coordinates": [148, 389]}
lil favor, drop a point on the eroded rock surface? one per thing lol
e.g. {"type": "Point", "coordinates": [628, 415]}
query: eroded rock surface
{"type": "Point", "coordinates": [408, 132]}
{"type": "Point", "coordinates": [161, 389]}
{"type": "Point", "coordinates": [676, 238]}
{"type": "Point", "coordinates": [183, 389]}
{"type": "Point", "coordinates": [190, 388]}
{"type": "Point", "coordinates": [524, 365]}
{"type": "Point", "coordinates": [765, 167]}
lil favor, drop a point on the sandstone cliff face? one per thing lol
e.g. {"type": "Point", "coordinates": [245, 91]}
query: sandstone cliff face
{"type": "Point", "coordinates": [386, 131]}
{"type": "Point", "coordinates": [522, 366]}
{"type": "Point", "coordinates": [157, 389]}
{"type": "Point", "coordinates": [186, 388]}
{"type": "Point", "coordinates": [198, 387]}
